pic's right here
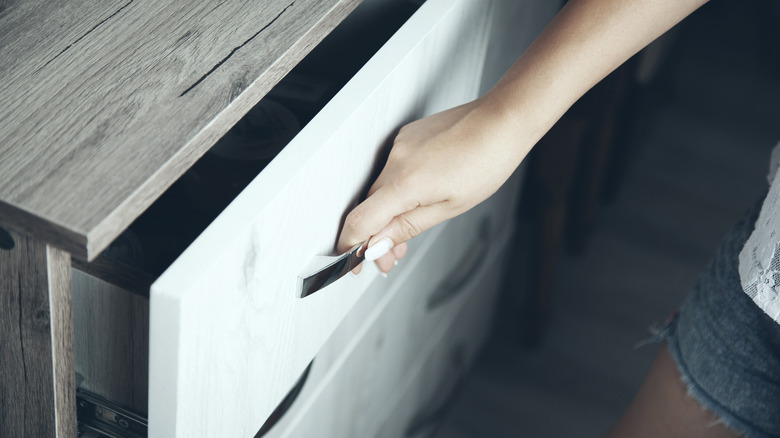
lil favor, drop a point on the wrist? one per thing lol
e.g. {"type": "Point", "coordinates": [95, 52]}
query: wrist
{"type": "Point", "coordinates": [515, 130]}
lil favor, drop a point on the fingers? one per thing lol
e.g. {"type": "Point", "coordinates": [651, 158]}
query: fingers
{"type": "Point", "coordinates": [386, 262]}
{"type": "Point", "coordinates": [400, 251]}
{"type": "Point", "coordinates": [383, 249]}
{"type": "Point", "coordinates": [372, 215]}
{"type": "Point", "coordinates": [406, 226]}
{"type": "Point", "coordinates": [389, 260]}
{"type": "Point", "coordinates": [398, 221]}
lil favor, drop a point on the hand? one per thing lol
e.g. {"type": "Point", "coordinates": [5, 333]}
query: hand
{"type": "Point", "coordinates": [439, 167]}
{"type": "Point", "coordinates": [444, 164]}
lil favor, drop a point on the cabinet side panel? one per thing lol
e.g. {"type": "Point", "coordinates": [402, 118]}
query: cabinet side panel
{"type": "Point", "coordinates": [111, 341]}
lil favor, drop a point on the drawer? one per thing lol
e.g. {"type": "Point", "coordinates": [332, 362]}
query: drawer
{"type": "Point", "coordinates": [338, 352]}
{"type": "Point", "coordinates": [372, 351]}
{"type": "Point", "coordinates": [421, 398]}
{"type": "Point", "coordinates": [228, 337]}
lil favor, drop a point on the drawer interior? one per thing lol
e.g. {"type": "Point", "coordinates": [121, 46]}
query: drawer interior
{"type": "Point", "coordinates": [156, 238]}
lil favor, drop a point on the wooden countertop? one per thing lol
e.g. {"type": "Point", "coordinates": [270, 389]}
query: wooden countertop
{"type": "Point", "coordinates": [104, 104]}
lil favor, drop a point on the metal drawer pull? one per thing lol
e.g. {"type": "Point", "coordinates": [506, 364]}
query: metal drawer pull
{"type": "Point", "coordinates": [323, 270]}
{"type": "Point", "coordinates": [464, 270]}
{"type": "Point", "coordinates": [285, 404]}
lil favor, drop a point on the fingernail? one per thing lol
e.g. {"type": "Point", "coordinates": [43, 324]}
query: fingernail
{"type": "Point", "coordinates": [379, 249]}
{"type": "Point", "coordinates": [383, 274]}
{"type": "Point", "coordinates": [352, 274]}
{"type": "Point", "coordinates": [395, 262]}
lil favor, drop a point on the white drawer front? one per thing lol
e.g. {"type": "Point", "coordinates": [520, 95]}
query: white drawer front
{"type": "Point", "coordinates": [228, 337]}
{"type": "Point", "coordinates": [349, 398]}
{"type": "Point", "coordinates": [420, 398]}
{"type": "Point", "coordinates": [354, 402]}
{"type": "Point", "coordinates": [352, 340]}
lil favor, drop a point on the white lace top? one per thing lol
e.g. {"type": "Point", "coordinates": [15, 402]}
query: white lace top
{"type": "Point", "coordinates": [759, 261]}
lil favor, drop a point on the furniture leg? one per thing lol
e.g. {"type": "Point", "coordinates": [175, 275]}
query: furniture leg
{"type": "Point", "coordinates": [37, 374]}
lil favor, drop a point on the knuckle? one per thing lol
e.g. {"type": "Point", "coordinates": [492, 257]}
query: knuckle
{"type": "Point", "coordinates": [399, 151]}
{"type": "Point", "coordinates": [353, 221]}
{"type": "Point", "coordinates": [408, 228]}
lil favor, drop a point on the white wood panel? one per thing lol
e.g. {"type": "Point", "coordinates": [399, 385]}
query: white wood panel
{"type": "Point", "coordinates": [338, 351]}
{"type": "Point", "coordinates": [228, 336]}
{"type": "Point", "coordinates": [418, 401]}
{"type": "Point", "coordinates": [352, 400]}
{"type": "Point", "coordinates": [432, 258]}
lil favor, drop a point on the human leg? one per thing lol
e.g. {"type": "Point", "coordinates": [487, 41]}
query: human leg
{"type": "Point", "coordinates": [663, 408]}
{"type": "Point", "coordinates": [720, 374]}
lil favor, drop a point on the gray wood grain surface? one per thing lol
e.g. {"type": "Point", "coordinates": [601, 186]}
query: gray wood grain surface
{"type": "Point", "coordinates": [105, 104]}
{"type": "Point", "coordinates": [37, 377]}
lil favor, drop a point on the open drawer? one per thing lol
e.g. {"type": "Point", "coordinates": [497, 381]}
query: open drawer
{"type": "Point", "coordinates": [370, 355]}
{"type": "Point", "coordinates": [228, 337]}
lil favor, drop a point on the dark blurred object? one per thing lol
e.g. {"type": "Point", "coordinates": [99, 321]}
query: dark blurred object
{"type": "Point", "coordinates": [575, 167]}
{"type": "Point", "coordinates": [767, 15]}
{"type": "Point", "coordinates": [126, 249]}
{"type": "Point", "coordinates": [238, 157]}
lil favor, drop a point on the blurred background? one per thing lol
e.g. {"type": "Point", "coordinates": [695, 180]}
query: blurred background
{"type": "Point", "coordinates": [624, 203]}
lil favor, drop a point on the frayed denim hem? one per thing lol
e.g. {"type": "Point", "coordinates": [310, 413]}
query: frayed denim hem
{"type": "Point", "coordinates": [666, 332]}
{"type": "Point", "coordinates": [726, 349]}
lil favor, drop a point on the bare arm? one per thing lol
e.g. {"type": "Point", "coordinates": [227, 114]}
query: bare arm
{"type": "Point", "coordinates": [444, 164]}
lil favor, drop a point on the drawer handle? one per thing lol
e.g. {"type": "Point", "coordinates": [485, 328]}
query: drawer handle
{"type": "Point", "coordinates": [6, 240]}
{"type": "Point", "coordinates": [285, 404]}
{"type": "Point", "coordinates": [464, 270]}
{"type": "Point", "coordinates": [323, 270]}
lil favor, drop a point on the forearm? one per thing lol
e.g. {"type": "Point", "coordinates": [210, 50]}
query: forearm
{"type": "Point", "coordinates": [586, 41]}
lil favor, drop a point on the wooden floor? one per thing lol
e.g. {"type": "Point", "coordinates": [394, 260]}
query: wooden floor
{"type": "Point", "coordinates": [699, 157]}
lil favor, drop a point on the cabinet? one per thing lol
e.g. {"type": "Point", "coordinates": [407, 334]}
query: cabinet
{"type": "Point", "coordinates": [226, 336]}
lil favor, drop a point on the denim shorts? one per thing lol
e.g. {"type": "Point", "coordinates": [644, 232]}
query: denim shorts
{"type": "Point", "coordinates": [726, 348]}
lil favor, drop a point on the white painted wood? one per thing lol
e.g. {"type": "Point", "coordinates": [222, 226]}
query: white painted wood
{"type": "Point", "coordinates": [339, 350]}
{"type": "Point", "coordinates": [432, 258]}
{"type": "Point", "coordinates": [417, 403]}
{"type": "Point", "coordinates": [228, 336]}
{"type": "Point", "coordinates": [351, 399]}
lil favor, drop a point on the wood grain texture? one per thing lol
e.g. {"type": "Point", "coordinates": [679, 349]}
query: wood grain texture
{"type": "Point", "coordinates": [353, 339]}
{"type": "Point", "coordinates": [37, 380]}
{"type": "Point", "coordinates": [228, 337]}
{"type": "Point", "coordinates": [419, 400]}
{"type": "Point", "coordinates": [111, 341]}
{"type": "Point", "coordinates": [376, 353]}
{"type": "Point", "coordinates": [128, 278]}
{"type": "Point", "coordinates": [105, 104]}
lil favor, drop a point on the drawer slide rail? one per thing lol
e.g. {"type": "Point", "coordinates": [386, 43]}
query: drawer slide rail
{"type": "Point", "coordinates": [98, 417]}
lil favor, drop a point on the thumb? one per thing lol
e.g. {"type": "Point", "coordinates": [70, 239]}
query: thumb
{"type": "Point", "coordinates": [372, 215]}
